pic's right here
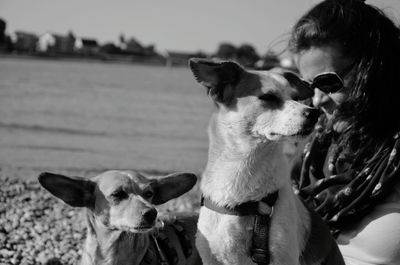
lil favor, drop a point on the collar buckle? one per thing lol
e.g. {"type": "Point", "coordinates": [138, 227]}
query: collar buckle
{"type": "Point", "coordinates": [265, 209]}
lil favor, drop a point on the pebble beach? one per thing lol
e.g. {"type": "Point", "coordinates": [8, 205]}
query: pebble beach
{"type": "Point", "coordinates": [35, 227]}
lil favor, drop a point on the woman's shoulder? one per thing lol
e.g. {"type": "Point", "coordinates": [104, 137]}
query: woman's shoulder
{"type": "Point", "coordinates": [375, 239]}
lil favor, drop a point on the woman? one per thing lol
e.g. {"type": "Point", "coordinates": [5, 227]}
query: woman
{"type": "Point", "coordinates": [348, 52]}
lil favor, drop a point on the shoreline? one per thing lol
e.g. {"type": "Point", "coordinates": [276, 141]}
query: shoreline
{"type": "Point", "coordinates": [32, 172]}
{"type": "Point", "coordinates": [127, 60]}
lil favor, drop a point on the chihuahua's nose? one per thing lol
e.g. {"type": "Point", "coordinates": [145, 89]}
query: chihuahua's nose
{"type": "Point", "coordinates": [150, 215]}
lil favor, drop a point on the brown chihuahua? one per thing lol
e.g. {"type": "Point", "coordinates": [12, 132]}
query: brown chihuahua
{"type": "Point", "coordinates": [122, 223]}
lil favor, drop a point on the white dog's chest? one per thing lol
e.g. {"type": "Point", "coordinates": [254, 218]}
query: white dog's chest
{"type": "Point", "coordinates": [227, 236]}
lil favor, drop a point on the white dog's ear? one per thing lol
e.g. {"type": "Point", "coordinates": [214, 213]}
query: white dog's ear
{"type": "Point", "coordinates": [172, 186]}
{"type": "Point", "coordinates": [216, 76]}
{"type": "Point", "coordinates": [75, 191]}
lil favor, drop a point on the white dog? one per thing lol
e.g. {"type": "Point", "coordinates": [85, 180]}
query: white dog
{"type": "Point", "coordinates": [247, 175]}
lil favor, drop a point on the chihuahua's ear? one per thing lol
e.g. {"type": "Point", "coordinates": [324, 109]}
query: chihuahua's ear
{"type": "Point", "coordinates": [172, 186]}
{"type": "Point", "coordinates": [75, 191]}
{"type": "Point", "coordinates": [300, 88]}
{"type": "Point", "coordinates": [216, 76]}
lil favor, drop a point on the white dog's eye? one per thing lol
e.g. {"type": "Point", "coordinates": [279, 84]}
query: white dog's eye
{"type": "Point", "coordinates": [270, 98]}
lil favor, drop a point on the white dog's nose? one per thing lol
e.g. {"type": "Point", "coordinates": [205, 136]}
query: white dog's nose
{"type": "Point", "coordinates": [311, 114]}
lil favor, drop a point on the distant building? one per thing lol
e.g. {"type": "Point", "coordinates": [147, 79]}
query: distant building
{"type": "Point", "coordinates": [110, 48]}
{"type": "Point", "coordinates": [134, 47]}
{"type": "Point", "coordinates": [87, 46]}
{"type": "Point", "coordinates": [46, 42]}
{"type": "Point", "coordinates": [24, 41]}
{"type": "Point", "coordinates": [55, 43]}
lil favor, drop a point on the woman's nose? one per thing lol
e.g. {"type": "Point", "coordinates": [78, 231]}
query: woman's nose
{"type": "Point", "coordinates": [319, 98]}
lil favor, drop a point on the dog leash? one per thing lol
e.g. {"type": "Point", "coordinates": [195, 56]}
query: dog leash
{"type": "Point", "coordinates": [164, 252]}
{"type": "Point", "coordinates": [163, 259]}
{"type": "Point", "coordinates": [260, 247]}
{"type": "Point", "coordinates": [263, 211]}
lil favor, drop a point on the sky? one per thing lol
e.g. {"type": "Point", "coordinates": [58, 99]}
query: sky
{"type": "Point", "coordinates": [173, 25]}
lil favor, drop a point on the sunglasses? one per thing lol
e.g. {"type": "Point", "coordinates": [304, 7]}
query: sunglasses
{"type": "Point", "coordinates": [327, 82]}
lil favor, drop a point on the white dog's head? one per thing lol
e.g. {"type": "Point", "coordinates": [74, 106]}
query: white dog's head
{"type": "Point", "coordinates": [255, 105]}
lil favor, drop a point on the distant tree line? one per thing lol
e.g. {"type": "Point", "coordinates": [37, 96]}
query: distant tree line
{"type": "Point", "coordinates": [127, 49]}
{"type": "Point", "coordinates": [247, 56]}
{"type": "Point", "coordinates": [5, 41]}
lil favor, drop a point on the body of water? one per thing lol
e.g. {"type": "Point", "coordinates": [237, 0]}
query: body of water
{"type": "Point", "coordinates": [85, 115]}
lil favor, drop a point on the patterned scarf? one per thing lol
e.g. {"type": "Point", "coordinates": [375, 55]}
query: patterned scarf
{"type": "Point", "coordinates": [349, 186]}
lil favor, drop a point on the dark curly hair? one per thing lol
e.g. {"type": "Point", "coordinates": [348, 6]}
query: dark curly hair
{"type": "Point", "coordinates": [368, 36]}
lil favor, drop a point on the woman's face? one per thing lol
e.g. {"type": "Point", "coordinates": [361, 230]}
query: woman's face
{"type": "Point", "coordinates": [316, 60]}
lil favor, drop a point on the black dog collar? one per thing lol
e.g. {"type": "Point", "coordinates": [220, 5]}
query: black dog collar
{"type": "Point", "coordinates": [263, 211]}
{"type": "Point", "coordinates": [262, 207]}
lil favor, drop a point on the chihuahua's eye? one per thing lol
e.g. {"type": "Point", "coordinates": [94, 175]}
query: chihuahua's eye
{"type": "Point", "coordinates": [148, 194]}
{"type": "Point", "coordinates": [119, 194]}
{"type": "Point", "coordinates": [270, 98]}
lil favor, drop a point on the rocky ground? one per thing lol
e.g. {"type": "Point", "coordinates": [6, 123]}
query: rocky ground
{"type": "Point", "coordinates": [36, 228]}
